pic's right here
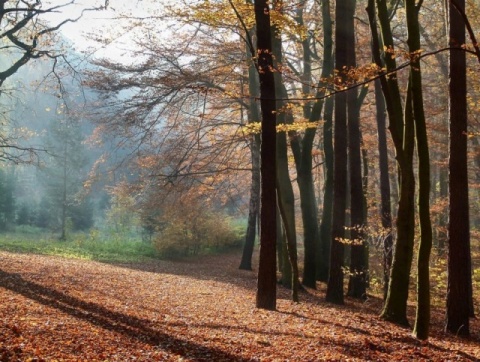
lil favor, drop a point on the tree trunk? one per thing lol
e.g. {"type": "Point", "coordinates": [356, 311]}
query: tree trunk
{"type": "Point", "coordinates": [357, 286]}
{"type": "Point", "coordinates": [246, 262]}
{"type": "Point", "coordinates": [323, 250]}
{"type": "Point", "coordinates": [402, 131]}
{"type": "Point", "coordinates": [285, 196]}
{"type": "Point", "coordinates": [385, 209]}
{"type": "Point", "coordinates": [253, 114]}
{"type": "Point", "coordinates": [63, 233]}
{"type": "Point", "coordinates": [395, 309]}
{"type": "Point", "coordinates": [459, 257]}
{"type": "Point", "coordinates": [422, 320]}
{"type": "Point", "coordinates": [303, 160]}
{"type": "Point", "coordinates": [267, 280]}
{"type": "Point", "coordinates": [327, 209]}
{"type": "Point", "coordinates": [344, 11]}
{"type": "Point", "coordinates": [286, 266]}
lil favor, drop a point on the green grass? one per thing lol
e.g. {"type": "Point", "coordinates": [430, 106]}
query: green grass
{"type": "Point", "coordinates": [79, 246]}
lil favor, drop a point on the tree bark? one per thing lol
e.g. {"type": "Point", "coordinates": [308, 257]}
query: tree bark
{"type": "Point", "coordinates": [253, 115]}
{"type": "Point", "coordinates": [253, 208]}
{"type": "Point", "coordinates": [285, 196]}
{"type": "Point", "coordinates": [267, 280]}
{"type": "Point", "coordinates": [402, 132]}
{"type": "Point", "coordinates": [323, 249]}
{"type": "Point", "coordinates": [459, 258]}
{"type": "Point", "coordinates": [385, 209]}
{"type": "Point", "coordinates": [344, 10]}
{"type": "Point", "coordinates": [422, 320]}
{"type": "Point", "coordinates": [358, 272]}
{"type": "Point", "coordinates": [323, 265]}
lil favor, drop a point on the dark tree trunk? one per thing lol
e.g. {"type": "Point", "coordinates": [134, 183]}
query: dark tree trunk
{"type": "Point", "coordinates": [327, 209]}
{"type": "Point", "coordinates": [442, 218]}
{"type": "Point", "coordinates": [459, 257]}
{"type": "Point", "coordinates": [285, 196]}
{"type": "Point", "coordinates": [422, 319]}
{"type": "Point", "coordinates": [303, 163]}
{"type": "Point", "coordinates": [402, 131]}
{"type": "Point", "coordinates": [385, 209]}
{"type": "Point", "coordinates": [253, 208]}
{"type": "Point", "coordinates": [358, 272]}
{"type": "Point", "coordinates": [285, 265]}
{"type": "Point", "coordinates": [323, 249]}
{"type": "Point", "coordinates": [253, 115]}
{"type": "Point", "coordinates": [344, 11]}
{"type": "Point", "coordinates": [357, 285]}
{"type": "Point", "coordinates": [267, 280]}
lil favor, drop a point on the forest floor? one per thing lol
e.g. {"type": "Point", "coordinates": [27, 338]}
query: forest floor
{"type": "Point", "coordinates": [59, 309]}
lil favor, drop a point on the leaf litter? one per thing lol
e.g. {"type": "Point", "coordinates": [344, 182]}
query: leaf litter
{"type": "Point", "coordinates": [203, 309]}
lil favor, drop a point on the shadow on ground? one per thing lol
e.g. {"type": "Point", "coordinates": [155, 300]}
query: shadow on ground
{"type": "Point", "coordinates": [129, 326]}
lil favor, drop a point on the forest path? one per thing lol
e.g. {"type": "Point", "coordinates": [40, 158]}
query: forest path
{"type": "Point", "coordinates": [58, 309]}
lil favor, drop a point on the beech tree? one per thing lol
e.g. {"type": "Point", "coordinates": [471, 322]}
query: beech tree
{"type": "Point", "coordinates": [253, 114]}
{"type": "Point", "coordinates": [323, 253]}
{"type": "Point", "coordinates": [402, 133]}
{"type": "Point", "coordinates": [344, 12]}
{"type": "Point", "coordinates": [27, 34]}
{"type": "Point", "coordinates": [285, 195]}
{"type": "Point", "coordinates": [459, 265]}
{"type": "Point", "coordinates": [267, 280]}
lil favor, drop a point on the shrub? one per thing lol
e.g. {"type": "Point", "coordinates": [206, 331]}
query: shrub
{"type": "Point", "coordinates": [190, 234]}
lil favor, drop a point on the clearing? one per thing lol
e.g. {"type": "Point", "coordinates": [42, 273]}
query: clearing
{"type": "Point", "coordinates": [59, 309]}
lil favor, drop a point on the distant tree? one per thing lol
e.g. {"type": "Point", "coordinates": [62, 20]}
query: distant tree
{"type": "Point", "coordinates": [24, 214]}
{"type": "Point", "coordinates": [7, 198]}
{"type": "Point", "coordinates": [64, 173]}
{"type": "Point", "coordinates": [27, 33]}
{"type": "Point", "coordinates": [82, 214]}
{"type": "Point", "coordinates": [44, 218]}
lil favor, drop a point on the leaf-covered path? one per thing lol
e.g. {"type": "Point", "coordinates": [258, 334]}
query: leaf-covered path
{"type": "Point", "coordinates": [56, 309]}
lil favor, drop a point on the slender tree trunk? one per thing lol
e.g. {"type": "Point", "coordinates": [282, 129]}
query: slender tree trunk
{"type": "Point", "coordinates": [344, 11]}
{"type": "Point", "coordinates": [395, 309]}
{"type": "Point", "coordinates": [459, 257]}
{"type": "Point", "coordinates": [285, 196]}
{"type": "Point", "coordinates": [267, 279]}
{"type": "Point", "coordinates": [402, 131]}
{"type": "Point", "coordinates": [422, 320]}
{"type": "Point", "coordinates": [253, 208]}
{"type": "Point", "coordinates": [323, 253]}
{"type": "Point", "coordinates": [385, 209]}
{"type": "Point", "coordinates": [303, 161]}
{"type": "Point", "coordinates": [442, 218]}
{"type": "Point", "coordinates": [357, 286]}
{"type": "Point", "coordinates": [286, 201]}
{"type": "Point", "coordinates": [63, 235]}
{"type": "Point", "coordinates": [327, 209]}
{"type": "Point", "coordinates": [286, 266]}
{"type": "Point", "coordinates": [357, 282]}
{"type": "Point", "coordinates": [253, 115]}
